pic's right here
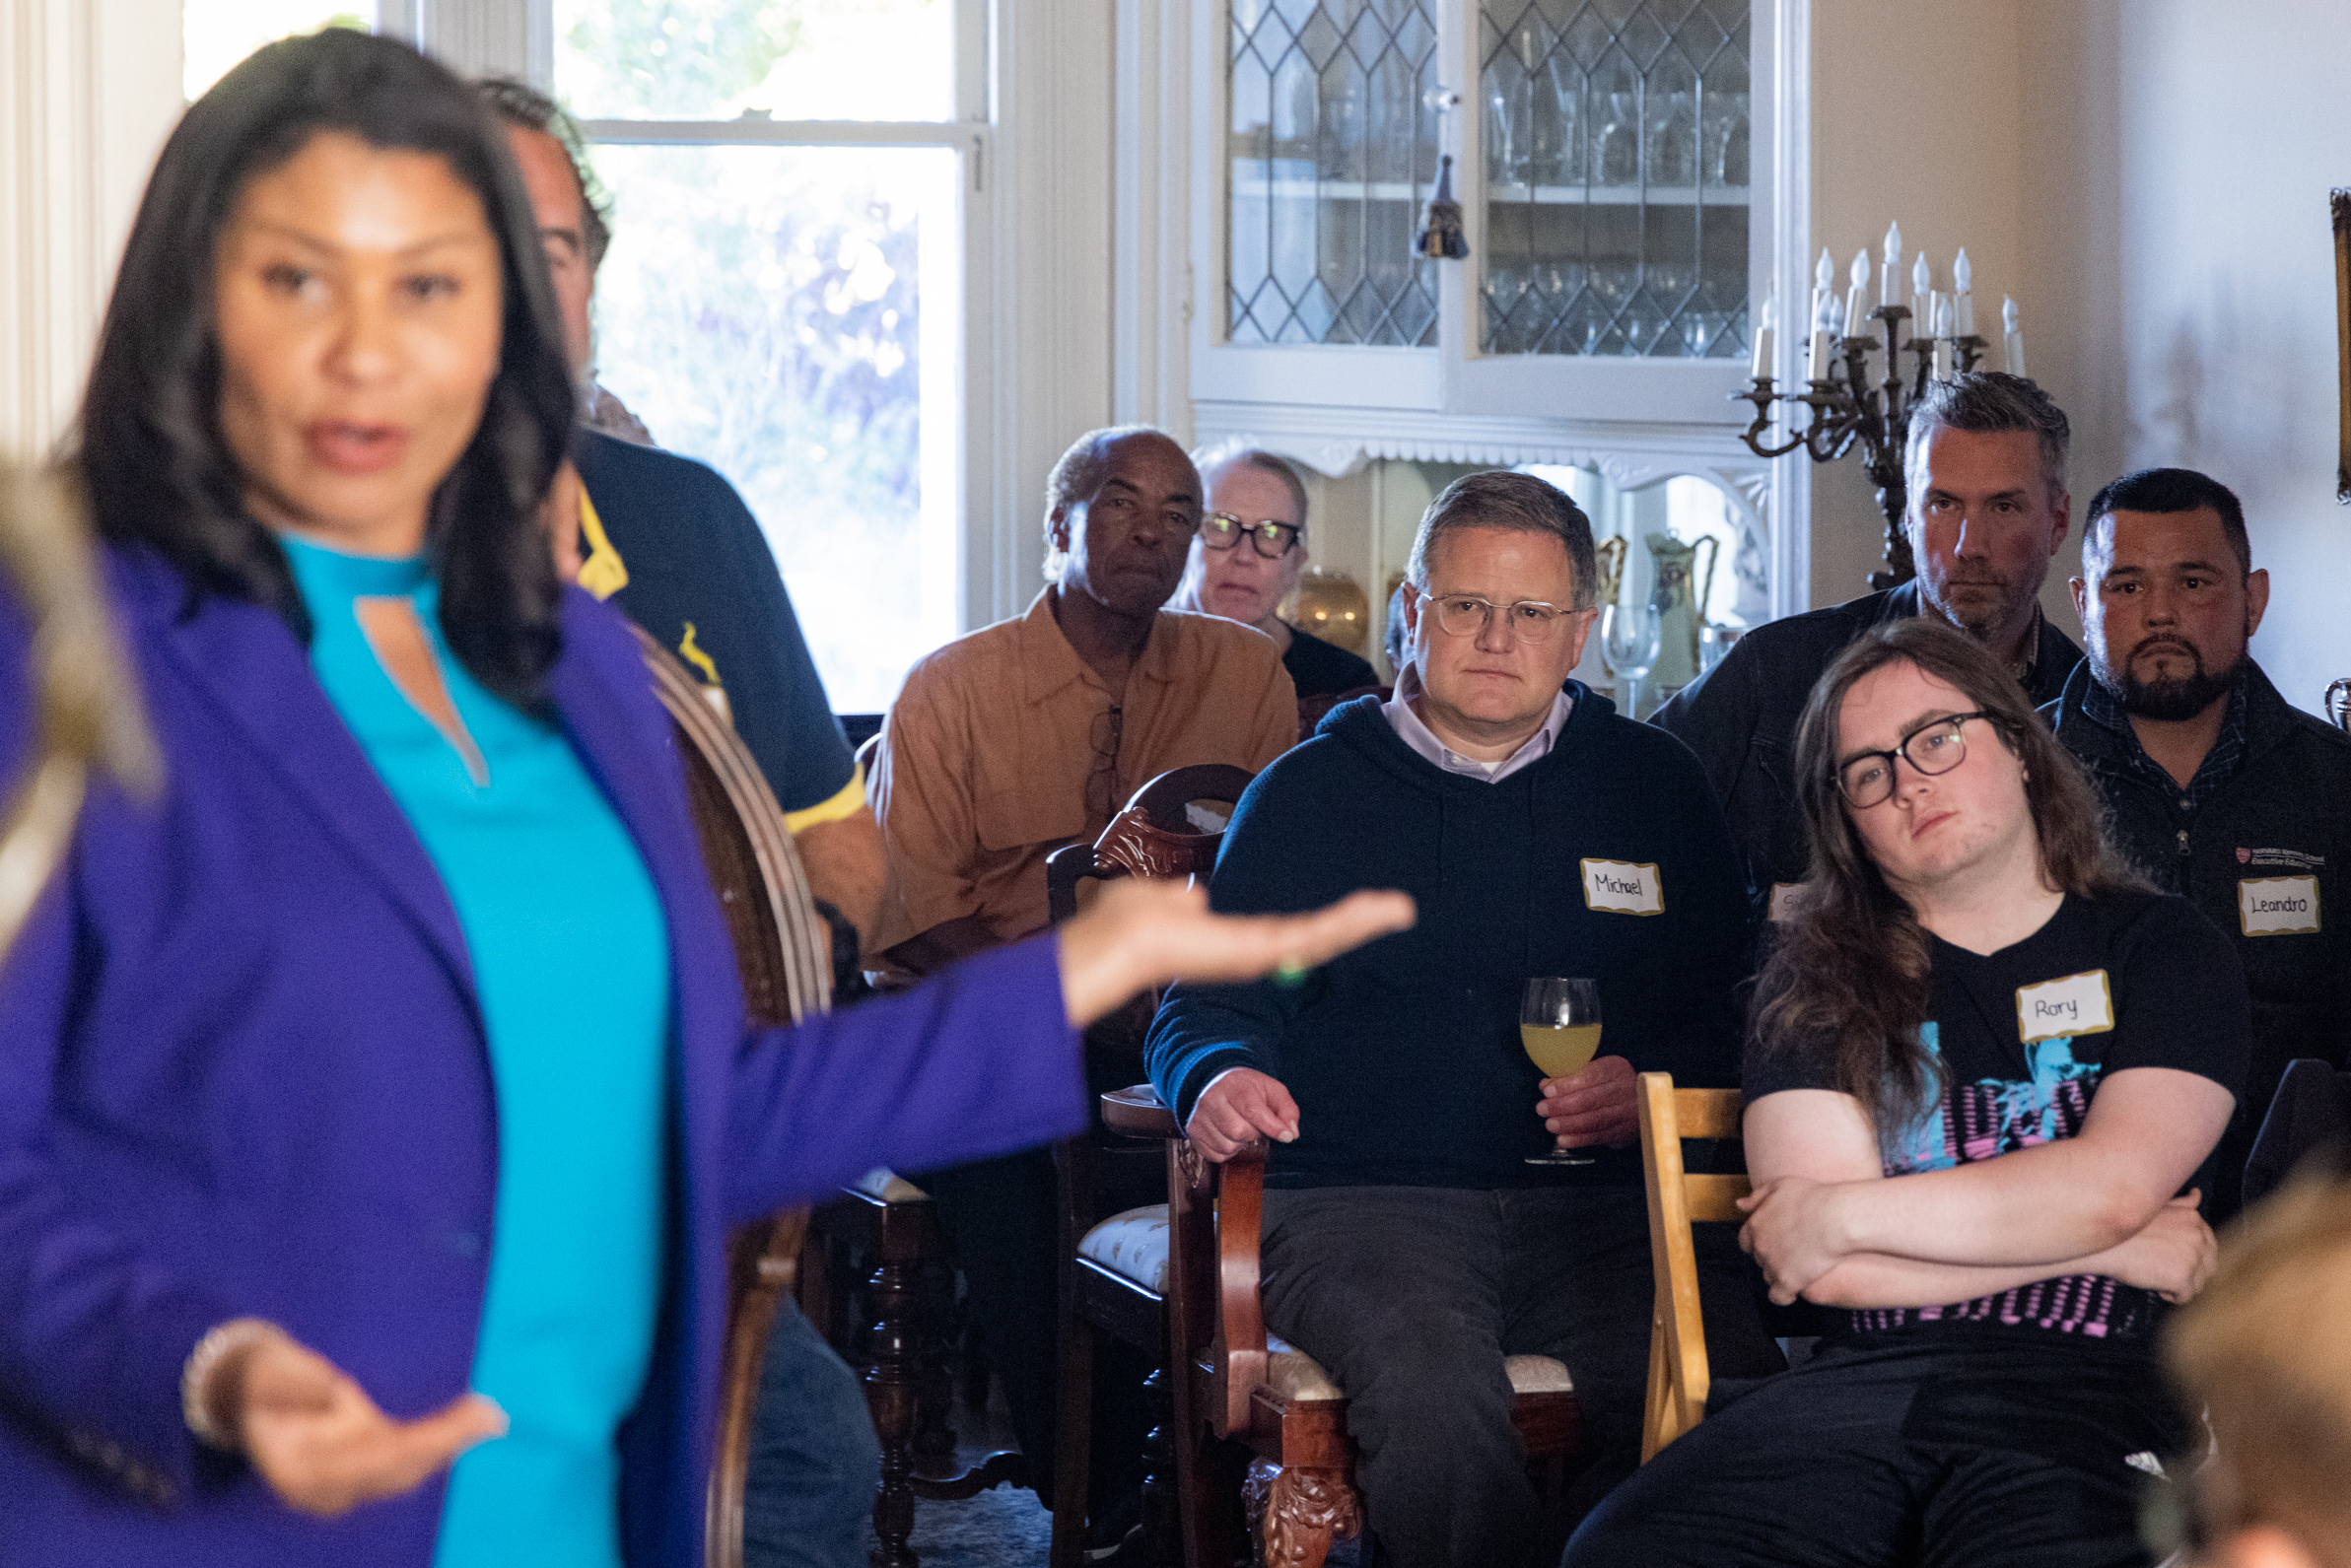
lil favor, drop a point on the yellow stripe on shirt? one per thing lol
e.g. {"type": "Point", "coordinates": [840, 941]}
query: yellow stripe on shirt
{"type": "Point", "coordinates": [846, 804]}
{"type": "Point", "coordinates": [602, 574]}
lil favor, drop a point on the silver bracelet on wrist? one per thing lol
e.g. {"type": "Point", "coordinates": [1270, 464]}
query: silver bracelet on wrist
{"type": "Point", "coordinates": [235, 1335]}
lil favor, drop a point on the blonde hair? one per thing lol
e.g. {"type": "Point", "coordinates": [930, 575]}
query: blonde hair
{"type": "Point", "coordinates": [2263, 1351]}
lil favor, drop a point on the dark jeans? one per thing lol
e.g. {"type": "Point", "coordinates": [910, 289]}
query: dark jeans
{"type": "Point", "coordinates": [1411, 1297]}
{"type": "Point", "coordinates": [1984, 1448]}
{"type": "Point", "coordinates": [815, 1463]}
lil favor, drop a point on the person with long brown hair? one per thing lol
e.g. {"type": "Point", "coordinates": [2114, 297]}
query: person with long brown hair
{"type": "Point", "coordinates": [1987, 1071]}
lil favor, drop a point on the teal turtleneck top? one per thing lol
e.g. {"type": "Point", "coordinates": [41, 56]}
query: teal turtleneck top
{"type": "Point", "coordinates": [570, 955]}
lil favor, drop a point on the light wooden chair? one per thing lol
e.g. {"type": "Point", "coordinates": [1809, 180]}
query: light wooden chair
{"type": "Point", "coordinates": [1678, 1373]}
{"type": "Point", "coordinates": [783, 950]}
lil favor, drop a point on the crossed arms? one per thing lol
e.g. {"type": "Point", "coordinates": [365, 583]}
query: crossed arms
{"type": "Point", "coordinates": [1826, 1224]}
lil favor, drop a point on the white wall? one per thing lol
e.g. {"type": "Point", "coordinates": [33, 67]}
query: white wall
{"type": "Point", "coordinates": [87, 90]}
{"type": "Point", "coordinates": [2233, 123]}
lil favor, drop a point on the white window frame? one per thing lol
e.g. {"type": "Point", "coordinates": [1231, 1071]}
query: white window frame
{"type": "Point", "coordinates": [1033, 104]}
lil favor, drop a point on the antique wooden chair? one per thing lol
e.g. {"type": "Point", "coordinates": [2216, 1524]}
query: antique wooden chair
{"type": "Point", "coordinates": [903, 1344]}
{"type": "Point", "coordinates": [783, 950]}
{"type": "Point", "coordinates": [1161, 833]}
{"type": "Point", "coordinates": [1678, 1375]}
{"type": "Point", "coordinates": [1257, 1422]}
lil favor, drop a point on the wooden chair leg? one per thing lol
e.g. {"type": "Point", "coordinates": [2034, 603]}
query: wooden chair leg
{"type": "Point", "coordinates": [1298, 1511]}
{"type": "Point", "coordinates": [1074, 1437]}
{"type": "Point", "coordinates": [1162, 1534]}
{"type": "Point", "coordinates": [892, 1378]}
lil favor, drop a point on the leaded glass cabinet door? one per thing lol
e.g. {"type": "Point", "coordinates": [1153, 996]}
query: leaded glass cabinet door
{"type": "Point", "coordinates": [1324, 137]}
{"type": "Point", "coordinates": [1608, 167]}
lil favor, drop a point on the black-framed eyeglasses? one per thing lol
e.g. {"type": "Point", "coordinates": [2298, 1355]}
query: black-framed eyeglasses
{"type": "Point", "coordinates": [1529, 619]}
{"type": "Point", "coordinates": [1934, 748]}
{"type": "Point", "coordinates": [1222, 530]}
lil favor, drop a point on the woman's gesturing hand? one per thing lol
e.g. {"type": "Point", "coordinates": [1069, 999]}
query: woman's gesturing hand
{"type": "Point", "coordinates": [317, 1439]}
{"type": "Point", "coordinates": [1147, 934]}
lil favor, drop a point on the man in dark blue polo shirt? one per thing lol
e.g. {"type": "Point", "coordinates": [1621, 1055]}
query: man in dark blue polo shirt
{"type": "Point", "coordinates": [2220, 790]}
{"type": "Point", "coordinates": [673, 545]}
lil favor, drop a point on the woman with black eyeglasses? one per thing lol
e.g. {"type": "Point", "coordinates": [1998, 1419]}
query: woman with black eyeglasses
{"type": "Point", "coordinates": [1988, 1069]}
{"type": "Point", "coordinates": [1248, 557]}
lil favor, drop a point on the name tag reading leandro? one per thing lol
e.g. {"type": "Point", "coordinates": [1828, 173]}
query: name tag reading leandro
{"type": "Point", "coordinates": [2078, 1005]}
{"type": "Point", "coordinates": [2277, 906]}
{"type": "Point", "coordinates": [1622, 887]}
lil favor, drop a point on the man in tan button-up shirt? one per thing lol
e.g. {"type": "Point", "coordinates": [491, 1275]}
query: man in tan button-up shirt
{"type": "Point", "coordinates": [1004, 746]}
{"type": "Point", "coordinates": [1011, 742]}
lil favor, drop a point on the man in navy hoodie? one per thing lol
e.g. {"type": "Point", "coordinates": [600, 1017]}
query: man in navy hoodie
{"type": "Point", "coordinates": [1410, 1243]}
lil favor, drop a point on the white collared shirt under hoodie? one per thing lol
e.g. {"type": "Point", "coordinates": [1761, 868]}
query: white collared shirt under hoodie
{"type": "Point", "coordinates": [1409, 729]}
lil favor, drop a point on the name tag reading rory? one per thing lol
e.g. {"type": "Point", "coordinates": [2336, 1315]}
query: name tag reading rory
{"type": "Point", "coordinates": [2078, 1005]}
{"type": "Point", "coordinates": [2277, 906]}
{"type": "Point", "coordinates": [1622, 887]}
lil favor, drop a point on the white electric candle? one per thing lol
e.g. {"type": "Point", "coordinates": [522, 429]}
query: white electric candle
{"type": "Point", "coordinates": [1890, 282]}
{"type": "Point", "coordinates": [1762, 339]}
{"type": "Point", "coordinates": [1922, 297]}
{"type": "Point", "coordinates": [1824, 279]}
{"type": "Point", "coordinates": [2015, 338]}
{"type": "Point", "coordinates": [1962, 279]}
{"type": "Point", "coordinates": [1857, 297]}
{"type": "Point", "coordinates": [1942, 337]}
{"type": "Point", "coordinates": [1824, 332]}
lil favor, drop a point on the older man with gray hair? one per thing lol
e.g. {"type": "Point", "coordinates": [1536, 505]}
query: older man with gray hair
{"type": "Point", "coordinates": [1985, 464]}
{"type": "Point", "coordinates": [1434, 1203]}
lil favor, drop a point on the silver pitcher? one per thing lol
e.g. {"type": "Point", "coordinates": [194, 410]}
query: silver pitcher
{"type": "Point", "coordinates": [1679, 612]}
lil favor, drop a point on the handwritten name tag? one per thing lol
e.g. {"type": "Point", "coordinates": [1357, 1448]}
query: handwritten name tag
{"type": "Point", "coordinates": [1622, 887]}
{"type": "Point", "coordinates": [2078, 1005]}
{"type": "Point", "coordinates": [1783, 897]}
{"type": "Point", "coordinates": [2277, 906]}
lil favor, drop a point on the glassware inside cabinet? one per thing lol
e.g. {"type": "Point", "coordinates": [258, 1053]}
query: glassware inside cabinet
{"type": "Point", "coordinates": [1616, 161]}
{"type": "Point", "coordinates": [1331, 146]}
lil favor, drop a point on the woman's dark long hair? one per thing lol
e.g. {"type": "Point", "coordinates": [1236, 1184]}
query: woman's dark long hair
{"type": "Point", "coordinates": [1847, 981]}
{"type": "Point", "coordinates": [152, 456]}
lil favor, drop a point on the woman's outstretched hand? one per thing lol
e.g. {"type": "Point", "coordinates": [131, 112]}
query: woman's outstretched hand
{"type": "Point", "coordinates": [1143, 934]}
{"type": "Point", "coordinates": [317, 1439]}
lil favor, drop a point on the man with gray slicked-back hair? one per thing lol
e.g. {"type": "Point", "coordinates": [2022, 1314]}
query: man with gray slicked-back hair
{"type": "Point", "coordinates": [1985, 459]}
{"type": "Point", "coordinates": [1436, 1206]}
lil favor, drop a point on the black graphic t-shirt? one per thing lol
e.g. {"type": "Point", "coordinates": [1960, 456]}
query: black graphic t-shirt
{"type": "Point", "coordinates": [2026, 1035]}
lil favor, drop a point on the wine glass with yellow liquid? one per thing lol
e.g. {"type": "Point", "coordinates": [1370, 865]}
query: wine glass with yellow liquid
{"type": "Point", "coordinates": [1558, 1022]}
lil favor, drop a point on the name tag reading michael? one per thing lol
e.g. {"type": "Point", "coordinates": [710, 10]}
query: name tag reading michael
{"type": "Point", "coordinates": [2078, 1005]}
{"type": "Point", "coordinates": [2277, 906]}
{"type": "Point", "coordinates": [1622, 887]}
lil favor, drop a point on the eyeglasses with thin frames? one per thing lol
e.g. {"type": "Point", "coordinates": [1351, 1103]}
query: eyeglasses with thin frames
{"type": "Point", "coordinates": [1934, 748]}
{"type": "Point", "coordinates": [1529, 619]}
{"type": "Point", "coordinates": [1222, 530]}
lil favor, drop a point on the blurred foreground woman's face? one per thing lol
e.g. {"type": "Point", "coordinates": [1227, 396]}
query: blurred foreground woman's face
{"type": "Point", "coordinates": [360, 311]}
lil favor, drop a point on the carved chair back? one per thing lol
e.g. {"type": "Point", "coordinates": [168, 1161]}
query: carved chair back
{"type": "Point", "coordinates": [783, 950]}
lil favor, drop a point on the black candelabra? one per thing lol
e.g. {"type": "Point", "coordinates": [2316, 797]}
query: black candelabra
{"type": "Point", "coordinates": [1848, 408]}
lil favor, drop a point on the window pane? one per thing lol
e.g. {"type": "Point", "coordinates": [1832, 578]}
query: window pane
{"type": "Point", "coordinates": [1331, 150]}
{"type": "Point", "coordinates": [217, 34]}
{"type": "Point", "coordinates": [789, 316]}
{"type": "Point", "coordinates": [1616, 142]}
{"type": "Point", "coordinates": [786, 59]}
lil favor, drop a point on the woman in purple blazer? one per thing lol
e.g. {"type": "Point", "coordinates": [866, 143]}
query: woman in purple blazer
{"type": "Point", "coordinates": [381, 1092]}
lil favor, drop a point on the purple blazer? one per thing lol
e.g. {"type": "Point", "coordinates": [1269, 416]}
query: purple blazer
{"type": "Point", "coordinates": [242, 1071]}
